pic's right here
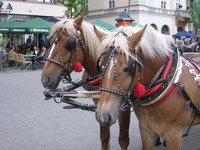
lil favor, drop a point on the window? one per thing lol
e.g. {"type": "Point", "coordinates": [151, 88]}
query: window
{"type": "Point", "coordinates": [154, 26]}
{"type": "Point", "coordinates": [151, 3]}
{"type": "Point", "coordinates": [44, 1]}
{"type": "Point", "coordinates": [111, 3]}
{"type": "Point", "coordinates": [178, 4]}
{"type": "Point", "coordinates": [165, 30]}
{"type": "Point", "coordinates": [163, 4]}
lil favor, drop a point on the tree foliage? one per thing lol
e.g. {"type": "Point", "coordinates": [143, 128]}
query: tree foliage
{"type": "Point", "coordinates": [196, 13]}
{"type": "Point", "coordinates": [75, 8]}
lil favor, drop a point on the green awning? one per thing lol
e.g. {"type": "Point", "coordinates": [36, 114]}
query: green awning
{"type": "Point", "coordinates": [135, 25]}
{"type": "Point", "coordinates": [103, 25]}
{"type": "Point", "coordinates": [37, 25]}
{"type": "Point", "coordinates": [11, 27]}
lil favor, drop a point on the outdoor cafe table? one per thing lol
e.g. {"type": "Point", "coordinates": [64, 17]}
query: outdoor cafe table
{"type": "Point", "coordinates": [29, 56]}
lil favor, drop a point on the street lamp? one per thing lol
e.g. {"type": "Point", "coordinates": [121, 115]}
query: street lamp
{"type": "Point", "coordinates": [124, 19]}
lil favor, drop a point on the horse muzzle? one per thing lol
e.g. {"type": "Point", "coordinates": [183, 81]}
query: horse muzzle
{"type": "Point", "coordinates": [105, 119]}
{"type": "Point", "coordinates": [51, 80]}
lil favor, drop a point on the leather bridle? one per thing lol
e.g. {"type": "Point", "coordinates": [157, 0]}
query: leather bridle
{"type": "Point", "coordinates": [65, 73]}
{"type": "Point", "coordinates": [110, 55]}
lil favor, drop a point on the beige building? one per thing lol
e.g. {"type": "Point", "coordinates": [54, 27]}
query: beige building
{"type": "Point", "coordinates": [167, 16]}
{"type": "Point", "coordinates": [22, 10]}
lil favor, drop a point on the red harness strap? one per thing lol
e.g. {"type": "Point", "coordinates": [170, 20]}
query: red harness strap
{"type": "Point", "coordinates": [164, 75]}
{"type": "Point", "coordinates": [95, 81]}
{"type": "Point", "coordinates": [171, 89]}
{"type": "Point", "coordinates": [195, 65]}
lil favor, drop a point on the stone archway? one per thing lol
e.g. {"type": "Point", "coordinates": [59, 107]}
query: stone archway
{"type": "Point", "coordinates": [165, 30]}
{"type": "Point", "coordinates": [179, 29]}
{"type": "Point", "coordinates": [154, 26]}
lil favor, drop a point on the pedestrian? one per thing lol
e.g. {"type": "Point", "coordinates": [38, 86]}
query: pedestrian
{"type": "Point", "coordinates": [41, 43]}
{"type": "Point", "coordinates": [40, 57]}
{"type": "Point", "coordinates": [28, 41]}
{"type": "Point", "coordinates": [3, 51]}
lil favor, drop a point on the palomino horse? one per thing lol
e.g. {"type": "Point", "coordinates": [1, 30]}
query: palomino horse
{"type": "Point", "coordinates": [144, 71]}
{"type": "Point", "coordinates": [72, 41]}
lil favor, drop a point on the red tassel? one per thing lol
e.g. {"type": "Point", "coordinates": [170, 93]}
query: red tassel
{"type": "Point", "coordinates": [139, 90]}
{"type": "Point", "coordinates": [78, 67]}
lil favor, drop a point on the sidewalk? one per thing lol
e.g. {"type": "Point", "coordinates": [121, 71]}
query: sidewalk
{"type": "Point", "coordinates": [15, 70]}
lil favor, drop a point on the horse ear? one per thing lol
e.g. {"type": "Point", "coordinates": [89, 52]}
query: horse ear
{"type": "Point", "coordinates": [136, 38]}
{"type": "Point", "coordinates": [99, 33]}
{"type": "Point", "coordinates": [78, 21]}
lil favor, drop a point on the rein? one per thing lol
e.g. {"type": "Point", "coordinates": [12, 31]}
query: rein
{"type": "Point", "coordinates": [66, 65]}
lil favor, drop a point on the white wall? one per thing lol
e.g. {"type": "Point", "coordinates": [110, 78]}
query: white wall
{"type": "Point", "coordinates": [38, 9]}
{"type": "Point", "coordinates": [158, 20]}
{"type": "Point", "coordinates": [121, 3]}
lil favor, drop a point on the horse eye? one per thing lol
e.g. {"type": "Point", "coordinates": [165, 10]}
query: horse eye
{"type": "Point", "coordinates": [125, 69]}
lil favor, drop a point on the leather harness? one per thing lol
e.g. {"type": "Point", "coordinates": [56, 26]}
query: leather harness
{"type": "Point", "coordinates": [65, 72]}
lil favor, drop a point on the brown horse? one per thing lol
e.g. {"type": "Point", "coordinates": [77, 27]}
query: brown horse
{"type": "Point", "coordinates": [72, 41]}
{"type": "Point", "coordinates": [144, 71]}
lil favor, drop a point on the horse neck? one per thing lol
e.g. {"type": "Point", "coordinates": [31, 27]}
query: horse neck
{"type": "Point", "coordinates": [151, 67]}
{"type": "Point", "coordinates": [89, 64]}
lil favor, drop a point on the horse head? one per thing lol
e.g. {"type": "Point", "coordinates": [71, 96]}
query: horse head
{"type": "Point", "coordinates": [117, 65]}
{"type": "Point", "coordinates": [132, 58]}
{"type": "Point", "coordinates": [67, 48]}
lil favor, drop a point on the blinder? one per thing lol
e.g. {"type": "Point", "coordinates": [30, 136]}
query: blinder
{"type": "Point", "coordinates": [98, 66]}
{"type": "Point", "coordinates": [70, 44]}
{"type": "Point", "coordinates": [132, 65]}
{"type": "Point", "coordinates": [105, 60]}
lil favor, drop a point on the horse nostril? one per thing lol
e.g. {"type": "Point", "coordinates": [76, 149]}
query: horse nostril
{"type": "Point", "coordinates": [107, 118]}
{"type": "Point", "coordinates": [46, 81]}
{"type": "Point", "coordinates": [104, 119]}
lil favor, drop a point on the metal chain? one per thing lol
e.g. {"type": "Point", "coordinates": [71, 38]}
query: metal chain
{"type": "Point", "coordinates": [115, 73]}
{"type": "Point", "coordinates": [126, 103]}
{"type": "Point", "coordinates": [59, 54]}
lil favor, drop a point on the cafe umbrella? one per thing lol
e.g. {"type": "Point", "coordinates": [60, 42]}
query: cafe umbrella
{"type": "Point", "coordinates": [11, 27]}
{"type": "Point", "coordinates": [37, 25]}
{"type": "Point", "coordinates": [184, 34]}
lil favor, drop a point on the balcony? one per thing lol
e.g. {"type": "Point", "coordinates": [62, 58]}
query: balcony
{"type": "Point", "coordinates": [182, 15]}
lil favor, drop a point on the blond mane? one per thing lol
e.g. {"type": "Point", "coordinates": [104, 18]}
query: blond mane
{"type": "Point", "coordinates": [91, 39]}
{"type": "Point", "coordinates": [153, 44]}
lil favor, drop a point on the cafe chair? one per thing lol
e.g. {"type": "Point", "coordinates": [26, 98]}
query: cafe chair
{"type": "Point", "coordinates": [11, 58]}
{"type": "Point", "coordinates": [24, 63]}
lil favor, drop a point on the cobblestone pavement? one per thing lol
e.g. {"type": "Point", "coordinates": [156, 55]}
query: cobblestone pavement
{"type": "Point", "coordinates": [27, 122]}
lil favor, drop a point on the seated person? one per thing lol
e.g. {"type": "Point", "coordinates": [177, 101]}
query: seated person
{"type": "Point", "coordinates": [3, 51]}
{"type": "Point", "coordinates": [36, 50]}
{"type": "Point", "coordinates": [40, 57]}
{"type": "Point", "coordinates": [16, 49]}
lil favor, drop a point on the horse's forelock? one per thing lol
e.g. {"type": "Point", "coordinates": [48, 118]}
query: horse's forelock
{"type": "Point", "coordinates": [118, 39]}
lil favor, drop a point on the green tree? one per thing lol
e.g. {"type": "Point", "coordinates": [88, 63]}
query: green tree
{"type": "Point", "coordinates": [196, 13]}
{"type": "Point", "coordinates": [75, 8]}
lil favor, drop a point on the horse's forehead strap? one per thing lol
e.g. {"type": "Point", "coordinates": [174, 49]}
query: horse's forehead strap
{"type": "Point", "coordinates": [60, 30]}
{"type": "Point", "coordinates": [112, 50]}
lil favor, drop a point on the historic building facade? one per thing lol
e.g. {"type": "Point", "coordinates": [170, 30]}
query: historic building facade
{"type": "Point", "coordinates": [166, 16]}
{"type": "Point", "coordinates": [23, 10]}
